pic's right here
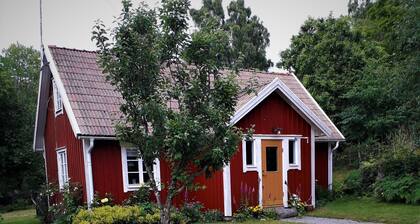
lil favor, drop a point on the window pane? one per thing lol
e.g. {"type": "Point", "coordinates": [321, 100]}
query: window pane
{"type": "Point", "coordinates": [271, 158]}
{"type": "Point", "coordinates": [132, 166]}
{"type": "Point", "coordinates": [292, 152]}
{"type": "Point", "coordinates": [133, 178]}
{"type": "Point", "coordinates": [249, 156]}
{"type": "Point", "coordinates": [146, 177]}
{"type": "Point", "coordinates": [132, 155]}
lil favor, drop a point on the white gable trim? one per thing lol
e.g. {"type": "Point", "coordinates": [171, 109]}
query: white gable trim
{"type": "Point", "coordinates": [277, 84]}
{"type": "Point", "coordinates": [61, 90]}
{"type": "Point", "coordinates": [319, 107]}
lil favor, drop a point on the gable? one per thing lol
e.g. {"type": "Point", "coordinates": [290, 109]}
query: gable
{"type": "Point", "coordinates": [278, 86]}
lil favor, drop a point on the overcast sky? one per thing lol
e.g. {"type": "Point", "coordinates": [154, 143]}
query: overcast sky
{"type": "Point", "coordinates": [68, 23]}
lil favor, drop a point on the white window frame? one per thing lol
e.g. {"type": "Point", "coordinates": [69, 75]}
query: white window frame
{"type": "Point", "coordinates": [297, 153]}
{"type": "Point", "coordinates": [253, 166]}
{"type": "Point", "coordinates": [62, 168]}
{"type": "Point", "coordinates": [131, 187]}
{"type": "Point", "coordinates": [58, 100]}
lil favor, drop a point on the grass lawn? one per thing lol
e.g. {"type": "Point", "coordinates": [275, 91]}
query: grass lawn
{"type": "Point", "coordinates": [369, 209]}
{"type": "Point", "coordinates": [20, 217]}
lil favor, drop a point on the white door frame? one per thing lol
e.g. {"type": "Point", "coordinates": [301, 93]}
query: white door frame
{"type": "Point", "coordinates": [285, 163]}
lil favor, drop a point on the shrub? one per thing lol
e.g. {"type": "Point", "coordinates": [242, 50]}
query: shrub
{"type": "Point", "coordinates": [192, 211]}
{"type": "Point", "coordinates": [296, 202]}
{"type": "Point", "coordinates": [72, 201]}
{"type": "Point", "coordinates": [212, 215]}
{"type": "Point", "coordinates": [142, 195]}
{"type": "Point", "coordinates": [353, 183]}
{"type": "Point", "coordinates": [399, 189]}
{"type": "Point", "coordinates": [108, 200]}
{"type": "Point", "coordinates": [323, 195]}
{"type": "Point", "coordinates": [117, 215]}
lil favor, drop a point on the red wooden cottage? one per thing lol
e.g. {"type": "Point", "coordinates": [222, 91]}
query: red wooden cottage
{"type": "Point", "coordinates": [291, 150]}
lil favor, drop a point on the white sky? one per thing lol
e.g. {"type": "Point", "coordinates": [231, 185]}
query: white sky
{"type": "Point", "coordinates": [68, 23]}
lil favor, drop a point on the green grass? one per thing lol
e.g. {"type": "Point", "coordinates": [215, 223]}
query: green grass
{"type": "Point", "coordinates": [20, 217]}
{"type": "Point", "coordinates": [369, 209]}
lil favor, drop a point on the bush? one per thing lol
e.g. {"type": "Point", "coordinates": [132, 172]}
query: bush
{"type": "Point", "coordinates": [192, 211]}
{"type": "Point", "coordinates": [72, 201]}
{"type": "Point", "coordinates": [142, 195]}
{"type": "Point", "coordinates": [117, 215]}
{"type": "Point", "coordinates": [353, 183]}
{"type": "Point", "coordinates": [399, 189]}
{"type": "Point", "coordinates": [212, 215]}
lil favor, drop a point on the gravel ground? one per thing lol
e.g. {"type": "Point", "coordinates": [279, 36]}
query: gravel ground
{"type": "Point", "coordinates": [316, 220]}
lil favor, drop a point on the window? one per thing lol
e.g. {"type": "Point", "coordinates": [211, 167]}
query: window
{"type": "Point", "coordinates": [249, 152]}
{"type": "Point", "coordinates": [134, 171]}
{"type": "Point", "coordinates": [249, 155]}
{"type": "Point", "coordinates": [292, 152]}
{"type": "Point", "coordinates": [63, 174]}
{"type": "Point", "coordinates": [271, 158]}
{"type": "Point", "coordinates": [58, 104]}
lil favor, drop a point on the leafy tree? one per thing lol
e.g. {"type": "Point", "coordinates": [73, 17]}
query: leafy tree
{"type": "Point", "coordinates": [177, 105]}
{"type": "Point", "coordinates": [21, 171]}
{"type": "Point", "coordinates": [328, 56]}
{"type": "Point", "coordinates": [363, 68]}
{"type": "Point", "coordinates": [246, 38]}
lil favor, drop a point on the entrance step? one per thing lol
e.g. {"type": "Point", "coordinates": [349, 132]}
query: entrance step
{"type": "Point", "coordinates": [283, 212]}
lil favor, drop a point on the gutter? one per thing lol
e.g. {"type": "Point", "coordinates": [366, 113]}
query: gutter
{"type": "Point", "coordinates": [88, 145]}
{"type": "Point", "coordinates": [337, 143]}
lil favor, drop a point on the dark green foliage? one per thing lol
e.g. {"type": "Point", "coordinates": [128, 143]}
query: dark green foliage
{"type": "Point", "coordinates": [399, 189]}
{"type": "Point", "coordinates": [157, 66]}
{"type": "Point", "coordinates": [353, 183]}
{"type": "Point", "coordinates": [191, 211]}
{"type": "Point", "coordinates": [362, 69]}
{"type": "Point", "coordinates": [212, 215]}
{"type": "Point", "coordinates": [141, 196]}
{"type": "Point", "coordinates": [242, 36]}
{"type": "Point", "coordinates": [21, 170]}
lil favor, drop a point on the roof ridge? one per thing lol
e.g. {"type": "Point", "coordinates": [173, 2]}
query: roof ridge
{"type": "Point", "coordinates": [264, 72]}
{"type": "Point", "coordinates": [71, 49]}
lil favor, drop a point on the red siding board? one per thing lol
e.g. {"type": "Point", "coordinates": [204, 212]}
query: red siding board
{"type": "Point", "coordinates": [321, 164]}
{"type": "Point", "coordinates": [59, 133]}
{"type": "Point", "coordinates": [273, 112]}
{"type": "Point", "coordinates": [107, 170]}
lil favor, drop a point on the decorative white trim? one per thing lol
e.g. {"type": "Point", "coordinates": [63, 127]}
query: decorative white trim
{"type": "Point", "coordinates": [277, 84]}
{"type": "Point", "coordinates": [64, 97]}
{"type": "Point", "coordinates": [253, 166]}
{"type": "Point", "coordinates": [128, 187]}
{"type": "Point", "coordinates": [319, 107]}
{"type": "Point", "coordinates": [227, 191]}
{"type": "Point", "coordinates": [330, 167]}
{"type": "Point", "coordinates": [87, 158]}
{"type": "Point", "coordinates": [313, 166]}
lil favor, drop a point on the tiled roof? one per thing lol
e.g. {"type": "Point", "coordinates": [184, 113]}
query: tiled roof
{"type": "Point", "coordinates": [96, 105]}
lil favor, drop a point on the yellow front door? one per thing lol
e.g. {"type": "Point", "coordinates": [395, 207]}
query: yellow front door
{"type": "Point", "coordinates": [272, 176]}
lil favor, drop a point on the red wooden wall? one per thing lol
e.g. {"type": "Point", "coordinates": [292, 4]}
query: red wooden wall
{"type": "Point", "coordinates": [107, 178]}
{"type": "Point", "coordinates": [107, 170]}
{"type": "Point", "coordinates": [273, 112]}
{"type": "Point", "coordinates": [321, 164]}
{"type": "Point", "coordinates": [58, 133]}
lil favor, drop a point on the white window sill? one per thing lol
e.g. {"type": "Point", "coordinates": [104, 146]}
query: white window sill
{"type": "Point", "coordinates": [294, 166]}
{"type": "Point", "coordinates": [250, 168]}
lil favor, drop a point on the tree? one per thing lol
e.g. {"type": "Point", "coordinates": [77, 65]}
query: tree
{"type": "Point", "coordinates": [363, 69]}
{"type": "Point", "coordinates": [177, 105]}
{"type": "Point", "coordinates": [21, 171]}
{"type": "Point", "coordinates": [246, 38]}
{"type": "Point", "coordinates": [328, 56]}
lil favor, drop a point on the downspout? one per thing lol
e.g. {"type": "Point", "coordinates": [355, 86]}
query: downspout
{"type": "Point", "coordinates": [88, 146]}
{"type": "Point", "coordinates": [330, 164]}
{"type": "Point", "coordinates": [336, 146]}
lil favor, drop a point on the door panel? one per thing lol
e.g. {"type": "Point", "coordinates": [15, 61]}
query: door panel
{"type": "Point", "coordinates": [272, 172]}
